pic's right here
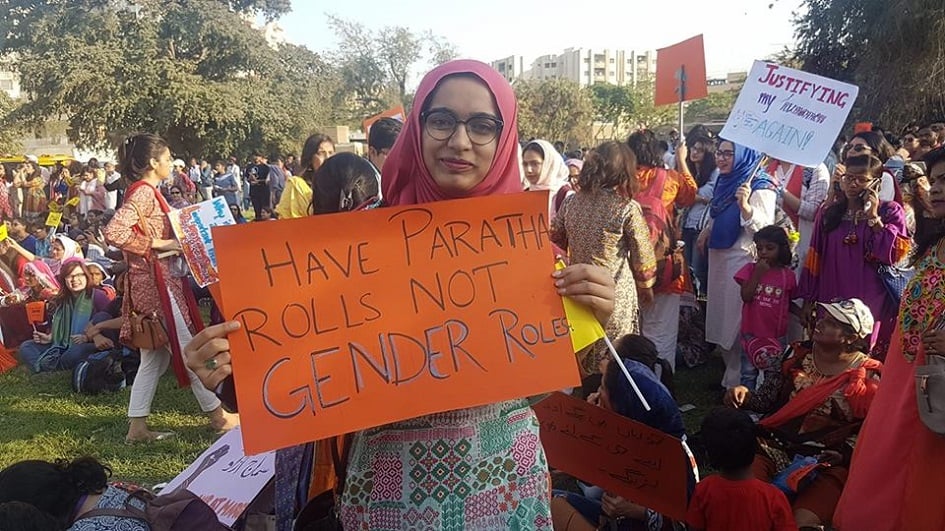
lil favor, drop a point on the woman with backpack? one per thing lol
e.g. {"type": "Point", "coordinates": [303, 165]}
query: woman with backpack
{"type": "Point", "coordinates": [66, 343]}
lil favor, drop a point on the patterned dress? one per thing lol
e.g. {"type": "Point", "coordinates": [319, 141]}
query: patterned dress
{"type": "Point", "coordinates": [896, 476]}
{"type": "Point", "coordinates": [476, 468]}
{"type": "Point", "coordinates": [123, 232]}
{"type": "Point", "coordinates": [114, 497]}
{"type": "Point", "coordinates": [605, 229]}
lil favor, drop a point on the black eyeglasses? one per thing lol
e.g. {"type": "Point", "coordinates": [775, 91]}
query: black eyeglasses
{"type": "Point", "coordinates": [441, 125]}
{"type": "Point", "coordinates": [860, 147]}
{"type": "Point", "coordinates": [726, 154]}
{"type": "Point", "coordinates": [175, 193]}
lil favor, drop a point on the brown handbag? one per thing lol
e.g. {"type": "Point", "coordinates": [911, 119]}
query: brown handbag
{"type": "Point", "coordinates": [147, 330]}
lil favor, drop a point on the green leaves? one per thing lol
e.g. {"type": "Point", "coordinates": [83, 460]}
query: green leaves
{"type": "Point", "coordinates": [554, 109]}
{"type": "Point", "coordinates": [894, 50]}
{"type": "Point", "coordinates": [192, 71]}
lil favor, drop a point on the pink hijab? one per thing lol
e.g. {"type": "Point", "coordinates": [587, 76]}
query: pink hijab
{"type": "Point", "coordinates": [405, 178]}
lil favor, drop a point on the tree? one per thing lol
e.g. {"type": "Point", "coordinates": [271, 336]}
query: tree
{"type": "Point", "coordinates": [894, 50]}
{"type": "Point", "coordinates": [9, 133]}
{"type": "Point", "coordinates": [376, 65]}
{"type": "Point", "coordinates": [554, 109]}
{"type": "Point", "coordinates": [194, 72]}
{"type": "Point", "coordinates": [613, 105]}
{"type": "Point", "coordinates": [713, 108]}
{"type": "Point", "coordinates": [646, 114]}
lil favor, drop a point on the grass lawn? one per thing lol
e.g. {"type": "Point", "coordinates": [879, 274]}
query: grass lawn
{"type": "Point", "coordinates": [41, 418]}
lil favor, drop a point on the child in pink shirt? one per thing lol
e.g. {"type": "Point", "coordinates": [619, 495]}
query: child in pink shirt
{"type": "Point", "coordinates": [767, 287]}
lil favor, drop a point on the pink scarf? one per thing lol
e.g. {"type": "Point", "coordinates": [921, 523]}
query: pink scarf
{"type": "Point", "coordinates": [405, 178]}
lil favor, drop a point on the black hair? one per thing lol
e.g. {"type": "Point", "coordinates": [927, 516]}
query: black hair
{"type": "Point", "coordinates": [730, 439]}
{"type": "Point", "coordinates": [698, 131]}
{"type": "Point", "coordinates": [877, 142]}
{"type": "Point", "coordinates": [646, 148]}
{"type": "Point", "coordinates": [611, 166]}
{"type": "Point", "coordinates": [778, 236]}
{"type": "Point", "coordinates": [384, 133]}
{"type": "Point", "coordinates": [708, 165]}
{"type": "Point", "coordinates": [534, 146]}
{"type": "Point", "coordinates": [65, 294]}
{"type": "Point", "coordinates": [309, 150]}
{"type": "Point", "coordinates": [833, 215]}
{"type": "Point", "coordinates": [53, 487]}
{"type": "Point", "coordinates": [343, 183]}
{"type": "Point", "coordinates": [20, 516]}
{"type": "Point", "coordinates": [928, 231]}
{"type": "Point", "coordinates": [639, 348]}
{"type": "Point", "coordinates": [136, 152]}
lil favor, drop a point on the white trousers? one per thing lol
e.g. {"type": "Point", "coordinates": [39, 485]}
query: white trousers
{"type": "Point", "coordinates": [154, 364]}
{"type": "Point", "coordinates": [733, 365]}
{"type": "Point", "coordinates": [659, 323]}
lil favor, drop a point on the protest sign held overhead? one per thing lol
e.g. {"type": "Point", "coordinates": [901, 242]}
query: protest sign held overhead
{"type": "Point", "coordinates": [788, 114]}
{"type": "Point", "coordinates": [630, 459]}
{"type": "Point", "coordinates": [680, 72]}
{"type": "Point", "coordinates": [405, 312]}
{"type": "Point", "coordinates": [53, 219]}
{"type": "Point", "coordinates": [192, 226]}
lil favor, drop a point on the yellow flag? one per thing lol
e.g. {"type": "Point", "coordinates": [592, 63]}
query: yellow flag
{"type": "Point", "coordinates": [585, 329]}
{"type": "Point", "coordinates": [53, 219]}
{"type": "Point", "coordinates": [73, 202]}
{"type": "Point", "coordinates": [3, 232]}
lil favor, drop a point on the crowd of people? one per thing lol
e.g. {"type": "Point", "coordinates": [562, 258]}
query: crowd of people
{"type": "Point", "coordinates": [819, 287]}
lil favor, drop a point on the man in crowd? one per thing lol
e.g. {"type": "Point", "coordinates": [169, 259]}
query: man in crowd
{"type": "Point", "coordinates": [381, 137]}
{"type": "Point", "coordinates": [112, 186]}
{"type": "Point", "coordinates": [257, 175]}
{"type": "Point", "coordinates": [234, 169]}
{"type": "Point", "coordinates": [18, 231]}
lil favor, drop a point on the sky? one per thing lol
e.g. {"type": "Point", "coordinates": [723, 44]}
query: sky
{"type": "Point", "coordinates": [736, 31]}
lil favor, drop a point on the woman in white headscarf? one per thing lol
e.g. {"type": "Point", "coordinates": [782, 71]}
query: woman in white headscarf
{"type": "Point", "coordinates": [544, 170]}
{"type": "Point", "coordinates": [61, 248]}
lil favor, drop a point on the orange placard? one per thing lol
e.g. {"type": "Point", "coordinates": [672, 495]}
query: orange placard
{"type": "Point", "coordinates": [617, 454]}
{"type": "Point", "coordinates": [396, 112]}
{"type": "Point", "coordinates": [361, 319]}
{"type": "Point", "coordinates": [862, 127]}
{"type": "Point", "coordinates": [36, 312]}
{"type": "Point", "coordinates": [687, 56]}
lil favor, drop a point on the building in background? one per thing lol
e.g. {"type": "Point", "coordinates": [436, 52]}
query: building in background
{"type": "Point", "coordinates": [511, 67]}
{"type": "Point", "coordinates": [10, 83]}
{"type": "Point", "coordinates": [731, 81]}
{"type": "Point", "coordinates": [584, 66]}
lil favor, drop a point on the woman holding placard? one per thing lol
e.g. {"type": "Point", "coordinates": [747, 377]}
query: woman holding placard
{"type": "Point", "coordinates": [66, 343]}
{"type": "Point", "coordinates": [459, 141]}
{"type": "Point", "coordinates": [744, 201]}
{"type": "Point", "coordinates": [140, 228]}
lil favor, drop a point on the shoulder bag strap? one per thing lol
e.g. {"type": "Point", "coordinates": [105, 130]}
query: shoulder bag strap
{"type": "Point", "coordinates": [340, 459]}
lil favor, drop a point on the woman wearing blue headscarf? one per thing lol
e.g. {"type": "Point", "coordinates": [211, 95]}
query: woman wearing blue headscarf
{"type": "Point", "coordinates": [745, 201]}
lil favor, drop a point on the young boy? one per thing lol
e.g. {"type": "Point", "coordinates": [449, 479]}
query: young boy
{"type": "Point", "coordinates": [733, 500]}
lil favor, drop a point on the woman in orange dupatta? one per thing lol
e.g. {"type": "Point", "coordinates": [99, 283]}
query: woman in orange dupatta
{"type": "Point", "coordinates": [817, 401]}
{"type": "Point", "coordinates": [896, 478]}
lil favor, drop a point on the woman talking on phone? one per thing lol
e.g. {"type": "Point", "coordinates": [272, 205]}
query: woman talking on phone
{"type": "Point", "coordinates": [853, 237]}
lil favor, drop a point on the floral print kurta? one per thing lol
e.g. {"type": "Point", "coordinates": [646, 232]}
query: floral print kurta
{"type": "Point", "coordinates": [606, 229]}
{"type": "Point", "coordinates": [124, 232]}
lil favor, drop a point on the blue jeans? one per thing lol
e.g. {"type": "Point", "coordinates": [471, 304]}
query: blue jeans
{"type": "Point", "coordinates": [749, 371]}
{"type": "Point", "coordinates": [697, 260]}
{"type": "Point", "coordinates": [44, 357]}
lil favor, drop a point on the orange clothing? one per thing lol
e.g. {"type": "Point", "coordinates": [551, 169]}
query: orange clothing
{"type": "Point", "coordinates": [679, 191]}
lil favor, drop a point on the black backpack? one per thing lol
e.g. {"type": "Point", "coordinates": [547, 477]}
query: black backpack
{"type": "Point", "coordinates": [100, 373]}
{"type": "Point", "coordinates": [180, 510]}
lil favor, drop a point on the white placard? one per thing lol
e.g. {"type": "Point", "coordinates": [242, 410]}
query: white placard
{"type": "Point", "coordinates": [225, 478]}
{"type": "Point", "coordinates": [791, 115]}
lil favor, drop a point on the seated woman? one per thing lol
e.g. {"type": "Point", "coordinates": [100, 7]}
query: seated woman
{"type": "Point", "coordinates": [66, 344]}
{"type": "Point", "coordinates": [100, 279]}
{"type": "Point", "coordinates": [816, 402]}
{"type": "Point", "coordinates": [574, 512]}
{"type": "Point", "coordinates": [65, 491]}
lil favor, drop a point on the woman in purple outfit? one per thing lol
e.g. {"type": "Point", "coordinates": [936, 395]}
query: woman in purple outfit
{"type": "Point", "coordinates": [852, 237]}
